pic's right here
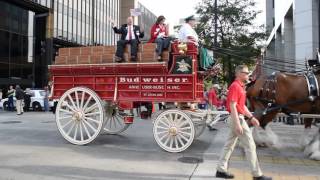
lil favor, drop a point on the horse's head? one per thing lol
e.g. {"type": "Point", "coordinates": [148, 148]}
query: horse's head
{"type": "Point", "coordinates": [256, 105]}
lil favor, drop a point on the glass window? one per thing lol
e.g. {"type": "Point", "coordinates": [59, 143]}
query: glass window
{"type": "Point", "coordinates": [4, 54]}
{"type": "Point", "coordinates": [42, 93]}
{"type": "Point", "coordinates": [15, 55]}
{"type": "Point", "coordinates": [60, 20]}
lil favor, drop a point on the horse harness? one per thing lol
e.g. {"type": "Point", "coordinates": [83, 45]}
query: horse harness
{"type": "Point", "coordinates": [267, 94]}
{"type": "Point", "coordinates": [313, 85]}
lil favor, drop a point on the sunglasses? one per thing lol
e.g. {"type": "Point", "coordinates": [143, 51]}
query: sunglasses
{"type": "Point", "coordinates": [247, 73]}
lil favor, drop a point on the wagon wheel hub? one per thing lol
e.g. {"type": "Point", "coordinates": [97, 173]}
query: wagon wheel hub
{"type": "Point", "coordinates": [173, 131]}
{"type": "Point", "coordinates": [77, 116]}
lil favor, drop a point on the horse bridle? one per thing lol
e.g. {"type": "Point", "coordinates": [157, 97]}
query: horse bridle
{"type": "Point", "coordinates": [271, 104]}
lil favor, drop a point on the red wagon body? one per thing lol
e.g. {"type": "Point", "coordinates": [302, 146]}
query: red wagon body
{"type": "Point", "coordinates": [135, 82]}
{"type": "Point", "coordinates": [85, 90]}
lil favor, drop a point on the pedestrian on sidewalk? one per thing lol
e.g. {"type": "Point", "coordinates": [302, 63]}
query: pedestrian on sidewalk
{"type": "Point", "coordinates": [10, 95]}
{"type": "Point", "coordinates": [46, 99]}
{"type": "Point", "coordinates": [1, 94]}
{"type": "Point", "coordinates": [19, 102]}
{"type": "Point", "coordinates": [239, 128]}
{"type": "Point", "coordinates": [27, 100]}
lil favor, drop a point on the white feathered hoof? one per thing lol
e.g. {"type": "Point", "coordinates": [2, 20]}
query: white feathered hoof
{"type": "Point", "coordinates": [313, 148]}
{"type": "Point", "coordinates": [306, 137]}
{"type": "Point", "coordinates": [265, 137]}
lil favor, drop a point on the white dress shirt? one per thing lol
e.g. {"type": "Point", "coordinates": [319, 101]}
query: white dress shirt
{"type": "Point", "coordinates": [132, 32]}
{"type": "Point", "coordinates": [185, 31]}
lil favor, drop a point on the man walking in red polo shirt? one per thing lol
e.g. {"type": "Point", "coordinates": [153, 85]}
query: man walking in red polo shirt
{"type": "Point", "coordinates": [239, 128]}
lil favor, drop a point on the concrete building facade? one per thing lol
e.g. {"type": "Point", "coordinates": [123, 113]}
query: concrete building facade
{"type": "Point", "coordinates": [294, 34]}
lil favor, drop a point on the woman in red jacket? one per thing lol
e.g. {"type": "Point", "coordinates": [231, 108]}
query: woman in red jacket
{"type": "Point", "coordinates": [159, 34]}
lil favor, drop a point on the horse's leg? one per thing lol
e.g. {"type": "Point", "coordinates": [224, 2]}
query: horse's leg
{"type": "Point", "coordinates": [307, 122]}
{"type": "Point", "coordinates": [307, 134]}
{"type": "Point", "coordinates": [265, 137]}
{"type": "Point", "coordinates": [313, 148]}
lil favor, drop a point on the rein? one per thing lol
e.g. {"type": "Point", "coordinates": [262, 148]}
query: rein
{"type": "Point", "coordinates": [273, 107]}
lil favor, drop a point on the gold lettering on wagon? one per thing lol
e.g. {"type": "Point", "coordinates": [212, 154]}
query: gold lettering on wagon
{"type": "Point", "coordinates": [152, 87]}
{"type": "Point", "coordinates": [173, 87]}
{"type": "Point", "coordinates": [134, 87]}
{"type": "Point", "coordinates": [150, 94]}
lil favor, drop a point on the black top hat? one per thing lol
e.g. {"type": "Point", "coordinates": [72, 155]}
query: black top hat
{"type": "Point", "coordinates": [190, 18]}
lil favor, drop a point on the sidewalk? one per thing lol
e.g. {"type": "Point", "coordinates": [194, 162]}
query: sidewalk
{"type": "Point", "coordinates": [285, 164]}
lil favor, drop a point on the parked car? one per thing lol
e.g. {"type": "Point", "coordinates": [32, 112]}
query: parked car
{"type": "Point", "coordinates": [37, 101]}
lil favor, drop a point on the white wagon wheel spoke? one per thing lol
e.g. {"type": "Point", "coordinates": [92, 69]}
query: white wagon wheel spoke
{"type": "Point", "coordinates": [183, 137]}
{"type": "Point", "coordinates": [91, 108]}
{"type": "Point", "coordinates": [185, 133]}
{"type": "Point", "coordinates": [84, 124]}
{"type": "Point", "coordinates": [164, 136]}
{"type": "Point", "coordinates": [65, 111]}
{"type": "Point", "coordinates": [167, 140]}
{"type": "Point", "coordinates": [66, 124]}
{"type": "Point", "coordinates": [185, 128]}
{"type": "Point", "coordinates": [165, 122]}
{"type": "Point", "coordinates": [77, 99]}
{"type": "Point", "coordinates": [86, 129]}
{"type": "Point", "coordinates": [74, 108]}
{"type": "Point", "coordinates": [171, 142]}
{"type": "Point", "coordinates": [161, 132]}
{"type": "Point", "coordinates": [74, 123]}
{"type": "Point", "coordinates": [76, 132]}
{"type": "Point", "coordinates": [87, 102]}
{"type": "Point", "coordinates": [180, 140]}
{"type": "Point", "coordinates": [169, 119]}
{"type": "Point", "coordinates": [92, 114]}
{"type": "Point", "coordinates": [176, 142]}
{"type": "Point", "coordinates": [81, 131]}
{"type": "Point", "coordinates": [65, 117]}
{"type": "Point", "coordinates": [82, 99]}
{"type": "Point", "coordinates": [178, 121]}
{"type": "Point", "coordinates": [92, 120]}
{"type": "Point", "coordinates": [165, 128]}
{"type": "Point", "coordinates": [90, 125]}
{"type": "Point", "coordinates": [118, 120]}
{"type": "Point", "coordinates": [173, 130]}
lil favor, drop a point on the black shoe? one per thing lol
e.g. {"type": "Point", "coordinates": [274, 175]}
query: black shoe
{"type": "Point", "coordinates": [159, 58]}
{"type": "Point", "coordinates": [211, 128]}
{"type": "Point", "coordinates": [133, 58]}
{"type": "Point", "coordinates": [224, 175]}
{"type": "Point", "coordinates": [262, 178]}
{"type": "Point", "coordinates": [119, 59]}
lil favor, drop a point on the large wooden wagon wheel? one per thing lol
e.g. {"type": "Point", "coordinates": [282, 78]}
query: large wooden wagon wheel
{"type": "Point", "coordinates": [173, 130]}
{"type": "Point", "coordinates": [114, 123]}
{"type": "Point", "coordinates": [79, 115]}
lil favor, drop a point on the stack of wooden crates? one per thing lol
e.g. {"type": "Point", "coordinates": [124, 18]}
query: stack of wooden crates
{"type": "Point", "coordinates": [106, 54]}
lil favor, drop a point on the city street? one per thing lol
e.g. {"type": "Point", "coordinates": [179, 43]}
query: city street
{"type": "Point", "coordinates": [32, 148]}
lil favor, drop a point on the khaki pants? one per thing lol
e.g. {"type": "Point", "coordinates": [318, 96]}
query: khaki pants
{"type": "Point", "coordinates": [19, 106]}
{"type": "Point", "coordinates": [249, 147]}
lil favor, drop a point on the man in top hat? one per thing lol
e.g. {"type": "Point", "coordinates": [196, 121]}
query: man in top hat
{"type": "Point", "coordinates": [187, 32]}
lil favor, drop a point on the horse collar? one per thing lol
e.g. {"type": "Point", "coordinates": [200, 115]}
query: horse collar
{"type": "Point", "coordinates": [313, 85]}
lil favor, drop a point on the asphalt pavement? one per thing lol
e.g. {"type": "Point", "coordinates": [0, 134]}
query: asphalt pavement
{"type": "Point", "coordinates": [32, 148]}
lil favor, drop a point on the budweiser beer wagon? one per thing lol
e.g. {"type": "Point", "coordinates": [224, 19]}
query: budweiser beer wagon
{"type": "Point", "coordinates": [96, 96]}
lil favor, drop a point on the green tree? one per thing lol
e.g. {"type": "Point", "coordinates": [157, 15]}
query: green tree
{"type": "Point", "coordinates": [239, 40]}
